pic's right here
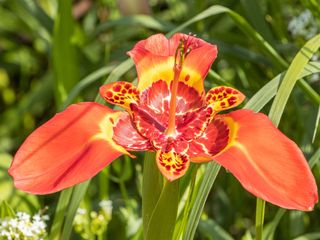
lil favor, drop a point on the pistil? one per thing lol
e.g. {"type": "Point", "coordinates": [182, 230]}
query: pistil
{"type": "Point", "coordinates": [180, 55]}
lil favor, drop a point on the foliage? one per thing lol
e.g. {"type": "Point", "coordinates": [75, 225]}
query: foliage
{"type": "Point", "coordinates": [50, 58]}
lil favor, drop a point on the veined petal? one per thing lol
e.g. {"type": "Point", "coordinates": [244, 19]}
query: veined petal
{"type": "Point", "coordinates": [214, 140]}
{"type": "Point", "coordinates": [154, 59]}
{"type": "Point", "coordinates": [172, 165]}
{"type": "Point", "coordinates": [70, 148]}
{"type": "Point", "coordinates": [127, 136]}
{"type": "Point", "coordinates": [120, 93]}
{"type": "Point", "coordinates": [156, 101]}
{"type": "Point", "coordinates": [266, 162]}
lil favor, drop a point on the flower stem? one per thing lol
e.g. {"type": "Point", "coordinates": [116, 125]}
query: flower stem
{"type": "Point", "coordinates": [189, 202]}
{"type": "Point", "coordinates": [260, 209]}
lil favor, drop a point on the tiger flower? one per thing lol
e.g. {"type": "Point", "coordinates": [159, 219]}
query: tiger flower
{"type": "Point", "coordinates": [167, 112]}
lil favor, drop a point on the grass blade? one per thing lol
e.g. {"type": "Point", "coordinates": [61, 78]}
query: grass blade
{"type": "Point", "coordinates": [292, 75]}
{"type": "Point", "coordinates": [210, 176]}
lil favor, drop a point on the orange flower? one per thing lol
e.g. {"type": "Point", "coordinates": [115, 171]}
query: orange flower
{"type": "Point", "coordinates": [168, 112]}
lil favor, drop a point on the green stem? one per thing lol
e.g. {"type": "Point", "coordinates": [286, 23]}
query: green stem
{"type": "Point", "coordinates": [260, 209]}
{"type": "Point", "coordinates": [124, 191]}
{"type": "Point", "coordinates": [60, 211]}
{"type": "Point", "coordinates": [186, 212]}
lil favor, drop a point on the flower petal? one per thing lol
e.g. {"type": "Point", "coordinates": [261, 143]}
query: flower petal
{"type": "Point", "coordinates": [213, 141]}
{"type": "Point", "coordinates": [156, 101]}
{"type": "Point", "coordinates": [172, 165]}
{"type": "Point", "coordinates": [70, 148]}
{"type": "Point", "coordinates": [223, 98]}
{"type": "Point", "coordinates": [266, 162]}
{"type": "Point", "coordinates": [127, 136]}
{"type": "Point", "coordinates": [120, 93]}
{"type": "Point", "coordinates": [154, 59]}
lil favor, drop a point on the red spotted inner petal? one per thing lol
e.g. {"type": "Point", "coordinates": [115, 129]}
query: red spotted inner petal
{"type": "Point", "coordinates": [223, 98]}
{"type": "Point", "coordinates": [120, 93]}
{"type": "Point", "coordinates": [212, 141]}
{"type": "Point", "coordinates": [172, 165]}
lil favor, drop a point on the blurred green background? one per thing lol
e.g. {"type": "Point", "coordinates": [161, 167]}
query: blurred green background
{"type": "Point", "coordinates": [53, 53]}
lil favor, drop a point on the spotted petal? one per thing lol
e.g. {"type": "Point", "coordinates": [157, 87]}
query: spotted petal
{"type": "Point", "coordinates": [223, 98]}
{"type": "Point", "coordinates": [120, 93]}
{"type": "Point", "coordinates": [172, 165]}
{"type": "Point", "coordinates": [265, 161]}
{"type": "Point", "coordinates": [70, 148]}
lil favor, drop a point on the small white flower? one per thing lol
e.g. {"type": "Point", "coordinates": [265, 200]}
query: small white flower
{"type": "Point", "coordinates": [106, 206]}
{"type": "Point", "coordinates": [303, 25]}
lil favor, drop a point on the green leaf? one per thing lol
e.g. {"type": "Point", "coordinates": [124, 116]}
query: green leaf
{"type": "Point", "coordinates": [210, 176]}
{"type": "Point", "coordinates": [64, 52]}
{"type": "Point", "coordinates": [213, 231]}
{"type": "Point", "coordinates": [309, 236]}
{"type": "Point", "coordinates": [292, 75]}
{"type": "Point", "coordinates": [59, 214]}
{"type": "Point", "coordinates": [163, 218]}
{"type": "Point", "coordinates": [77, 195]}
{"type": "Point", "coordinates": [136, 20]}
{"type": "Point", "coordinates": [85, 82]}
{"type": "Point", "coordinates": [152, 185]}
{"type": "Point", "coordinates": [268, 91]}
{"type": "Point", "coordinates": [6, 210]}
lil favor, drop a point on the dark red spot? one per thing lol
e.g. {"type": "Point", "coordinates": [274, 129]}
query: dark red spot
{"type": "Point", "coordinates": [222, 104]}
{"type": "Point", "coordinates": [168, 167]}
{"type": "Point", "coordinates": [127, 86]}
{"type": "Point", "coordinates": [225, 94]}
{"type": "Point", "coordinates": [214, 98]}
{"type": "Point", "coordinates": [117, 88]}
{"type": "Point", "coordinates": [111, 120]}
{"type": "Point", "coordinates": [130, 91]}
{"type": "Point", "coordinates": [216, 91]}
{"type": "Point", "coordinates": [231, 102]}
{"type": "Point", "coordinates": [121, 102]}
{"type": "Point", "coordinates": [109, 94]}
{"type": "Point", "coordinates": [229, 90]}
{"type": "Point", "coordinates": [235, 92]}
{"type": "Point", "coordinates": [233, 98]}
{"type": "Point", "coordinates": [116, 97]}
{"type": "Point", "coordinates": [124, 91]}
{"type": "Point", "coordinates": [187, 78]}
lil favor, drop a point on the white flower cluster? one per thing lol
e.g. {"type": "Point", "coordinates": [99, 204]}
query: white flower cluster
{"type": "Point", "coordinates": [23, 227]}
{"type": "Point", "coordinates": [303, 25]}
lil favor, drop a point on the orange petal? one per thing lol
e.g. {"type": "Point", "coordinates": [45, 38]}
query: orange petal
{"type": "Point", "coordinates": [266, 162]}
{"type": "Point", "coordinates": [70, 148]}
{"type": "Point", "coordinates": [154, 60]}
{"type": "Point", "coordinates": [172, 165]}
{"type": "Point", "coordinates": [223, 98]}
{"type": "Point", "coordinates": [120, 93]}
